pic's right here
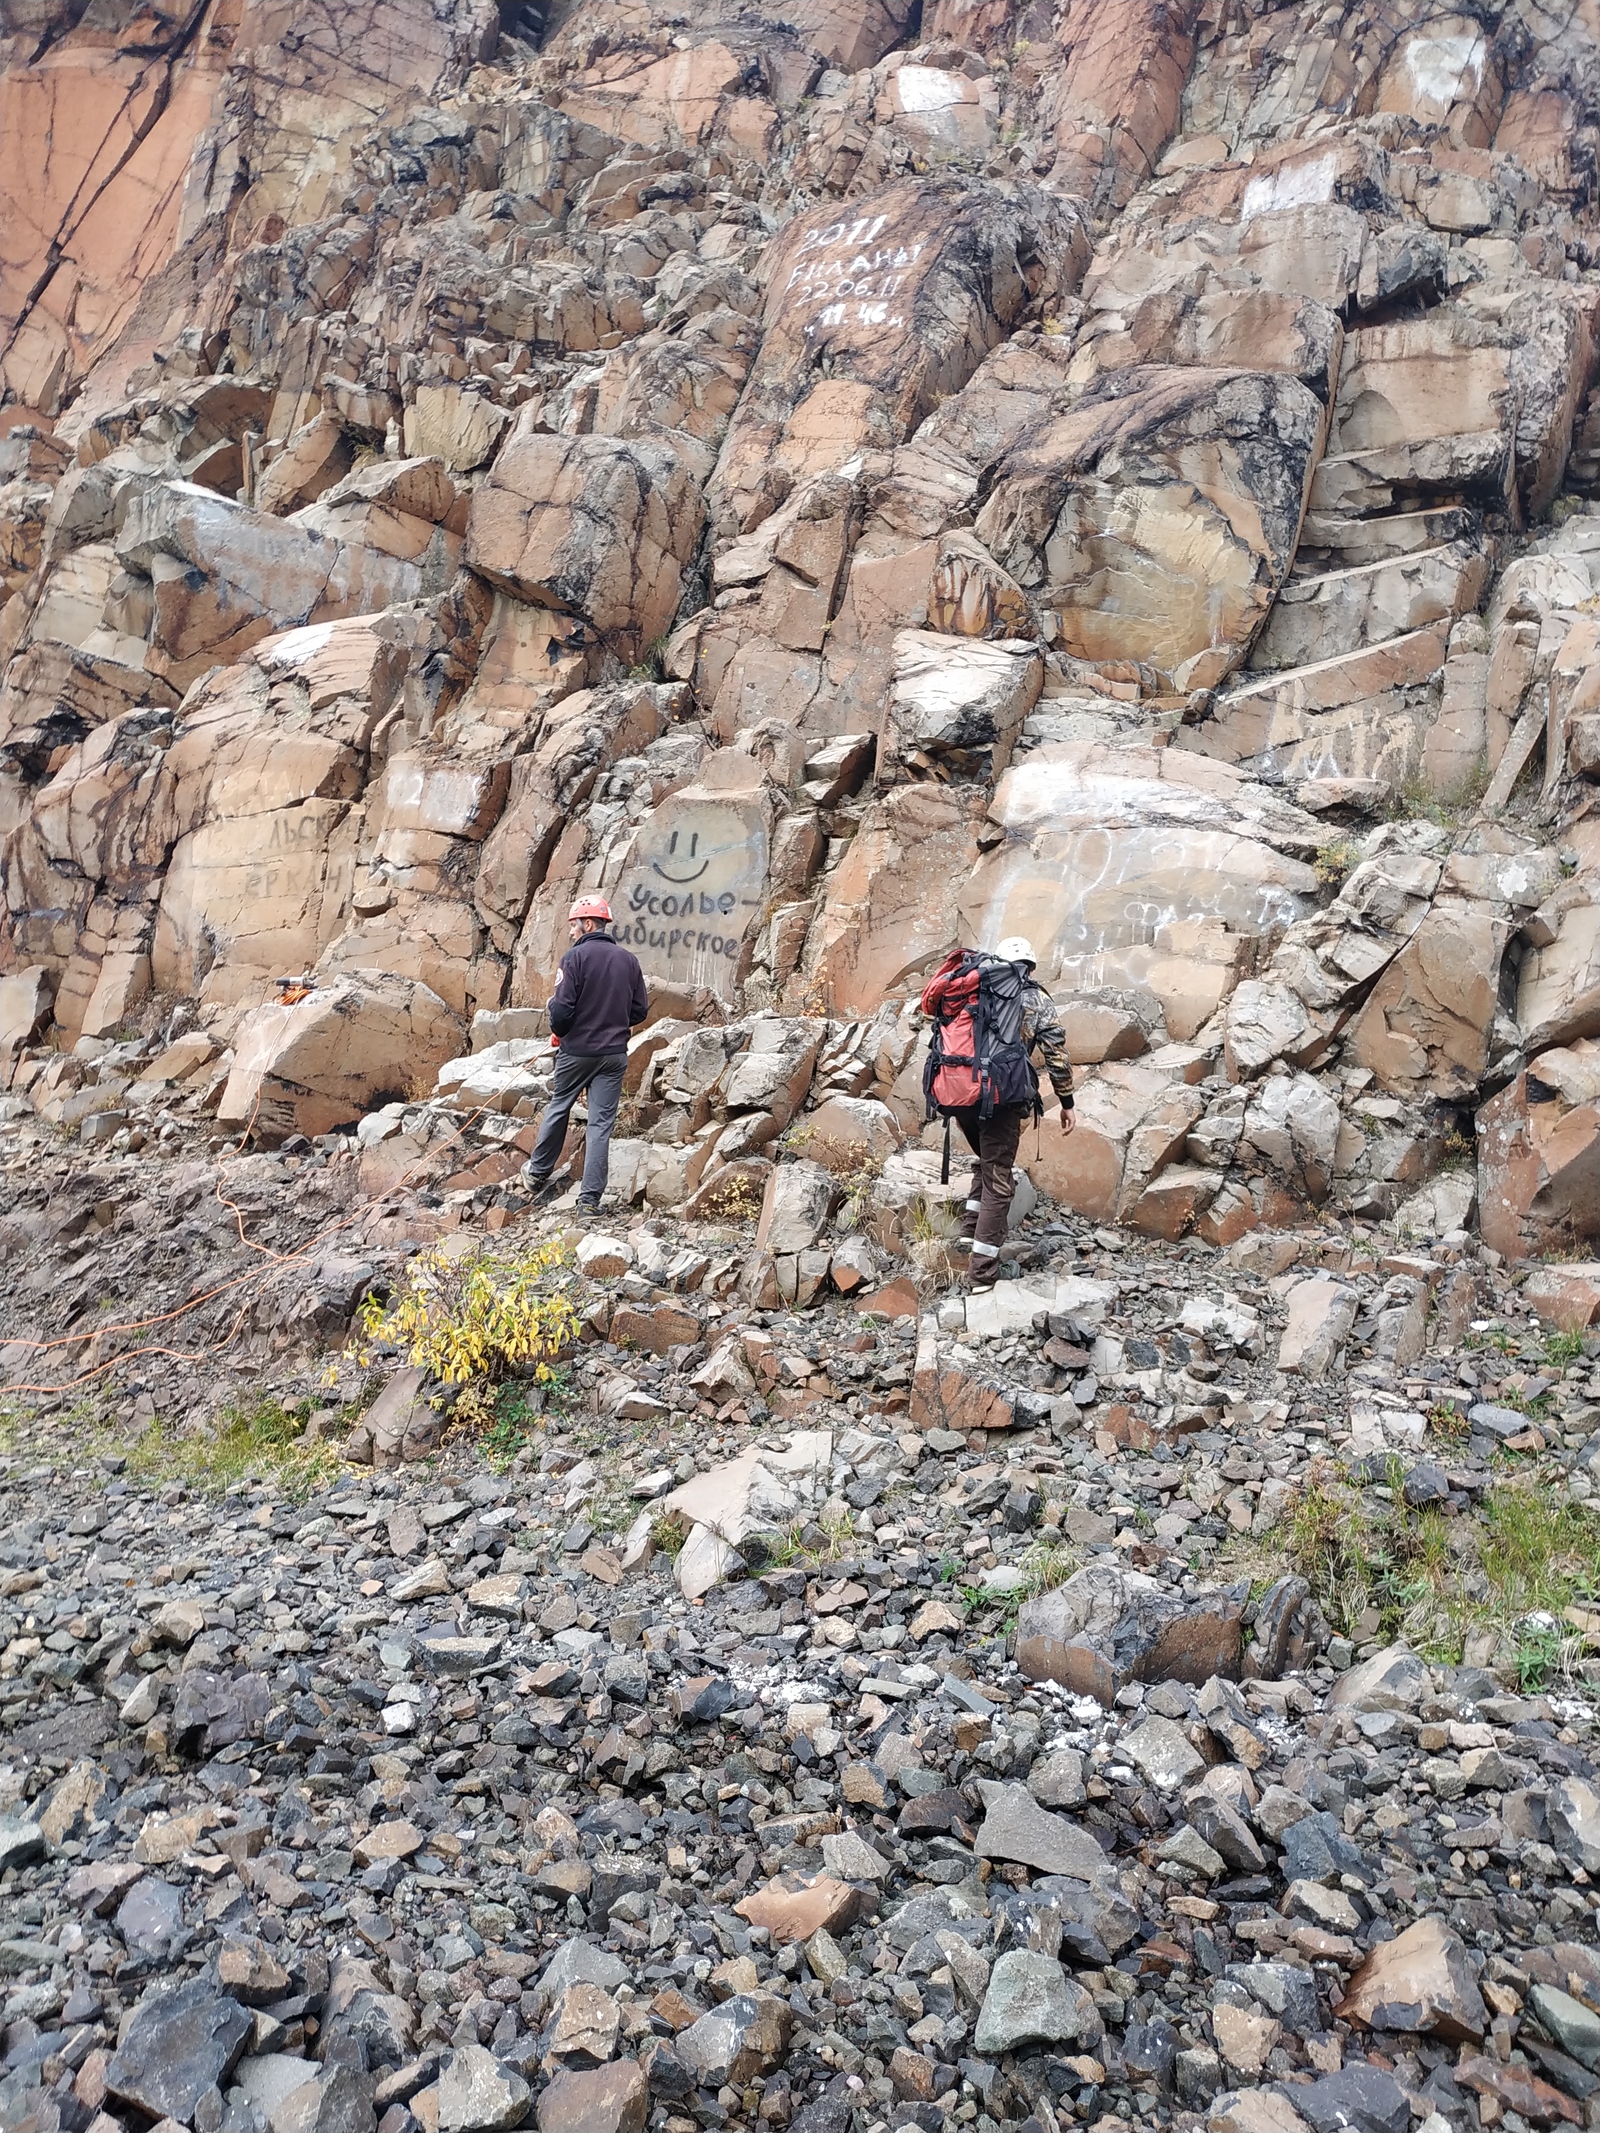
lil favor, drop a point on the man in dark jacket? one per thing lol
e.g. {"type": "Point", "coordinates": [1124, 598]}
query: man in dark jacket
{"type": "Point", "coordinates": [599, 998]}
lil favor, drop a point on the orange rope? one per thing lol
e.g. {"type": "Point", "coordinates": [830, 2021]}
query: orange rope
{"type": "Point", "coordinates": [142, 1325]}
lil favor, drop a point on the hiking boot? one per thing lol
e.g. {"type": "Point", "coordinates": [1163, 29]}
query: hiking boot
{"type": "Point", "coordinates": [587, 1206]}
{"type": "Point", "coordinates": [542, 1189]}
{"type": "Point", "coordinates": [985, 1270]}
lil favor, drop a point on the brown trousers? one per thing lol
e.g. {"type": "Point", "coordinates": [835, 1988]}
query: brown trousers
{"type": "Point", "coordinates": [994, 1141]}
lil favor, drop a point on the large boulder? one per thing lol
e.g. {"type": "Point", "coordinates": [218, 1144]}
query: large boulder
{"type": "Point", "coordinates": [1426, 1028]}
{"type": "Point", "coordinates": [876, 312]}
{"type": "Point", "coordinates": [890, 909]}
{"type": "Point", "coordinates": [598, 527]}
{"type": "Point", "coordinates": [688, 882]}
{"type": "Point", "coordinates": [959, 700]}
{"type": "Point", "coordinates": [1107, 1626]}
{"type": "Point", "coordinates": [223, 576]}
{"type": "Point", "coordinates": [1462, 398]}
{"type": "Point", "coordinates": [1117, 92]}
{"type": "Point", "coordinates": [26, 997]}
{"type": "Point", "coordinates": [1361, 715]}
{"type": "Point", "coordinates": [799, 1199]}
{"type": "Point", "coordinates": [364, 1039]}
{"type": "Point", "coordinates": [1558, 986]}
{"type": "Point", "coordinates": [1159, 516]}
{"type": "Point", "coordinates": [1139, 867]}
{"type": "Point", "coordinates": [1539, 1155]}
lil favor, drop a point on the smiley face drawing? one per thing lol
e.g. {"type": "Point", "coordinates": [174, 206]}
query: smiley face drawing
{"type": "Point", "coordinates": [685, 865]}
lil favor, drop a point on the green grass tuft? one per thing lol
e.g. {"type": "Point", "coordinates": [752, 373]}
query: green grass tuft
{"type": "Point", "coordinates": [254, 1442]}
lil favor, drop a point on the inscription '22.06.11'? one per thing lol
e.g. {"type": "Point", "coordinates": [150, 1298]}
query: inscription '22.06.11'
{"type": "Point", "coordinates": [844, 277]}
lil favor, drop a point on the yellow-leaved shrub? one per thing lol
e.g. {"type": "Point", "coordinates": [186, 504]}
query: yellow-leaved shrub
{"type": "Point", "coordinates": [473, 1320]}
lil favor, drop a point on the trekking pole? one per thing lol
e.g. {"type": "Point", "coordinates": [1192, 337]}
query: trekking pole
{"type": "Point", "coordinates": [944, 1168]}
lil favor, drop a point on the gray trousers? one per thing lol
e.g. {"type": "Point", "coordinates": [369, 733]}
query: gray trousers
{"type": "Point", "coordinates": [575, 1073]}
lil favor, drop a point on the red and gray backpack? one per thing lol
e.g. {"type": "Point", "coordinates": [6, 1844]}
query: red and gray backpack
{"type": "Point", "coordinates": [977, 1056]}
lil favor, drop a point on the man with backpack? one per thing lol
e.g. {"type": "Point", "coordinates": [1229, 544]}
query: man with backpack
{"type": "Point", "coordinates": [599, 998]}
{"type": "Point", "coordinates": [988, 1014]}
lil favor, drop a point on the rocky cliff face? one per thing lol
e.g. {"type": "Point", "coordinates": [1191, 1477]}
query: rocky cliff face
{"type": "Point", "coordinates": [839, 478]}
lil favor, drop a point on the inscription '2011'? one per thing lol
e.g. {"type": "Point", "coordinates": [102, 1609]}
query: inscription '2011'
{"type": "Point", "coordinates": [844, 277]}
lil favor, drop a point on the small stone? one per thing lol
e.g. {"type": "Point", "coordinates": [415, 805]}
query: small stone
{"type": "Point", "coordinates": [1229, 1720]}
{"type": "Point", "coordinates": [1487, 1770]}
{"type": "Point", "coordinates": [1197, 2076]}
{"type": "Point", "coordinates": [1225, 1830]}
{"type": "Point", "coordinates": [1056, 1780]}
{"type": "Point", "coordinates": [1573, 1811]}
{"type": "Point", "coordinates": [1501, 1422]}
{"type": "Point", "coordinates": [1316, 1849]}
{"type": "Point", "coordinates": [1357, 2099]}
{"type": "Point", "coordinates": [388, 1840]}
{"type": "Point", "coordinates": [405, 1530]}
{"type": "Point", "coordinates": [583, 2027]}
{"type": "Point", "coordinates": [738, 1974]}
{"type": "Point", "coordinates": [459, 1657]}
{"type": "Point", "coordinates": [179, 1623]}
{"type": "Point", "coordinates": [249, 1971]}
{"type": "Point", "coordinates": [141, 1704]}
{"type": "Point", "coordinates": [1150, 2054]}
{"type": "Point", "coordinates": [21, 1842]}
{"type": "Point", "coordinates": [1426, 1483]}
{"type": "Point", "coordinates": [933, 1813]}
{"type": "Point", "coordinates": [1576, 2028]}
{"type": "Point", "coordinates": [850, 1858]}
{"type": "Point", "coordinates": [1392, 1680]}
{"type": "Point", "coordinates": [428, 1581]}
{"type": "Point", "coordinates": [1421, 1981]}
{"type": "Point", "coordinates": [1186, 1847]}
{"type": "Point", "coordinates": [864, 1785]}
{"type": "Point", "coordinates": [1016, 1827]}
{"type": "Point", "coordinates": [1331, 1909]}
{"type": "Point", "coordinates": [178, 2046]}
{"type": "Point", "coordinates": [150, 1917]}
{"type": "Point", "coordinates": [1031, 1999]}
{"type": "Point", "coordinates": [933, 1619]}
{"type": "Point", "coordinates": [1243, 2037]}
{"type": "Point", "coordinates": [1254, 2111]}
{"type": "Point", "coordinates": [741, 2040]}
{"type": "Point", "coordinates": [101, 1886]}
{"type": "Point", "coordinates": [479, 2095]}
{"type": "Point", "coordinates": [912, 2074]}
{"type": "Point", "coordinates": [501, 1596]}
{"type": "Point", "coordinates": [1163, 1751]}
{"type": "Point", "coordinates": [702, 1698]}
{"type": "Point", "coordinates": [1278, 1810]}
{"type": "Point", "coordinates": [165, 1838]}
{"type": "Point", "coordinates": [601, 2099]}
{"type": "Point", "coordinates": [825, 1958]}
{"type": "Point", "coordinates": [579, 1962]}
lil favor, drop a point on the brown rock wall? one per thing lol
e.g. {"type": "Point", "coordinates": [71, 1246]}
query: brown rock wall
{"type": "Point", "coordinates": [841, 483]}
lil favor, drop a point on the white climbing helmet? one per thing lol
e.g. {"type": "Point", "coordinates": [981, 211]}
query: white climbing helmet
{"type": "Point", "coordinates": [1017, 950]}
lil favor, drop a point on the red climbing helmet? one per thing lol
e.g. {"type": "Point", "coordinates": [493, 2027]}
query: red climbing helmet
{"type": "Point", "coordinates": [591, 907]}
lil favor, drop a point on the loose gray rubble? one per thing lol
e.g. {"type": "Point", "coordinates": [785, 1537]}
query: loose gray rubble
{"type": "Point", "coordinates": [828, 1718]}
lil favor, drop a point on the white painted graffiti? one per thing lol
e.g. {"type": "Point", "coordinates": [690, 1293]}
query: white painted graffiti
{"type": "Point", "coordinates": [696, 886]}
{"type": "Point", "coordinates": [843, 277]}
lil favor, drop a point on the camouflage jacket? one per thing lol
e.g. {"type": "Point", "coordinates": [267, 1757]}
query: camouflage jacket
{"type": "Point", "coordinates": [1042, 1033]}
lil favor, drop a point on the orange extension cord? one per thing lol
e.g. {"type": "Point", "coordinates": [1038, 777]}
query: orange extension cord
{"type": "Point", "coordinates": [143, 1325]}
